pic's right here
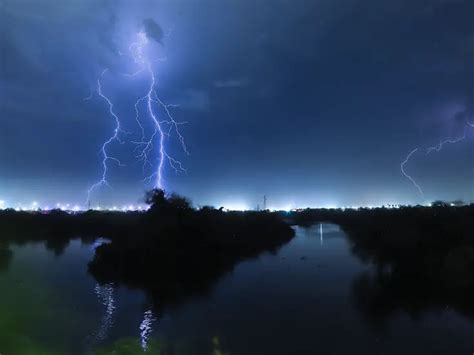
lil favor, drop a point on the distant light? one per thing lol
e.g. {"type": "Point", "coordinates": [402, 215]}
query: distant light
{"type": "Point", "coordinates": [235, 206]}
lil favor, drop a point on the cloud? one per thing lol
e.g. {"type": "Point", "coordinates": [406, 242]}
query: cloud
{"type": "Point", "coordinates": [232, 83]}
{"type": "Point", "coordinates": [153, 30]}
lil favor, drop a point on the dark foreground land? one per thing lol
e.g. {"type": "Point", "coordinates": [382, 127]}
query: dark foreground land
{"type": "Point", "coordinates": [424, 257]}
{"type": "Point", "coordinates": [171, 251]}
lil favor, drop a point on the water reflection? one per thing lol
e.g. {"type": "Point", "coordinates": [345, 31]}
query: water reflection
{"type": "Point", "coordinates": [306, 296]}
{"type": "Point", "coordinates": [321, 233]}
{"type": "Point", "coordinates": [105, 295]}
{"type": "Point", "coordinates": [146, 328]}
{"type": "Point", "coordinates": [5, 257]}
{"type": "Point", "coordinates": [57, 245]}
{"type": "Point", "coordinates": [415, 274]}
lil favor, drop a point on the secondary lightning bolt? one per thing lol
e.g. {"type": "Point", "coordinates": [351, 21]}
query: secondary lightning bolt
{"type": "Point", "coordinates": [114, 137]}
{"type": "Point", "coordinates": [441, 144]}
{"type": "Point", "coordinates": [402, 168]}
{"type": "Point", "coordinates": [431, 149]}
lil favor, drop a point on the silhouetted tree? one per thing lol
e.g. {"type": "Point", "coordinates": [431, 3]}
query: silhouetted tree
{"type": "Point", "coordinates": [156, 198]}
{"type": "Point", "coordinates": [179, 202]}
{"type": "Point", "coordinates": [159, 201]}
{"type": "Point", "coordinates": [439, 203]}
{"type": "Point", "coordinates": [207, 209]}
{"type": "Point", "coordinates": [458, 203]}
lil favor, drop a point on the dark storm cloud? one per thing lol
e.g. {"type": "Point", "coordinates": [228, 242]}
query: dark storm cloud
{"type": "Point", "coordinates": [464, 117]}
{"type": "Point", "coordinates": [50, 49]}
{"type": "Point", "coordinates": [284, 89]}
{"type": "Point", "coordinates": [232, 83]}
{"type": "Point", "coordinates": [153, 30]}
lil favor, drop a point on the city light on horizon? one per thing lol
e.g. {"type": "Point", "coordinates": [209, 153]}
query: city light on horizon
{"type": "Point", "coordinates": [227, 205]}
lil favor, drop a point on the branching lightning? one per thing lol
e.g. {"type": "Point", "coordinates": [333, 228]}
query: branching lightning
{"type": "Point", "coordinates": [429, 150]}
{"type": "Point", "coordinates": [162, 129]}
{"type": "Point", "coordinates": [114, 137]}
{"type": "Point", "coordinates": [402, 168]}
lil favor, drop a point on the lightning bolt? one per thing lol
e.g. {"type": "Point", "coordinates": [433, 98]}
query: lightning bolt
{"type": "Point", "coordinates": [114, 137]}
{"type": "Point", "coordinates": [158, 129]}
{"type": "Point", "coordinates": [441, 144]}
{"type": "Point", "coordinates": [429, 150]}
{"type": "Point", "coordinates": [402, 168]}
{"type": "Point", "coordinates": [162, 129]}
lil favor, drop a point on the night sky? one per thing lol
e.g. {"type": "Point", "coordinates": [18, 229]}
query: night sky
{"type": "Point", "coordinates": [312, 103]}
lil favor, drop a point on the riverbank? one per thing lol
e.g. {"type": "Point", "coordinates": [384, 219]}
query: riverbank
{"type": "Point", "coordinates": [372, 276]}
{"type": "Point", "coordinates": [171, 251]}
{"type": "Point", "coordinates": [424, 256]}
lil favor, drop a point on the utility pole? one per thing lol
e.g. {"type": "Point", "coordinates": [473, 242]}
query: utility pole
{"type": "Point", "coordinates": [264, 202]}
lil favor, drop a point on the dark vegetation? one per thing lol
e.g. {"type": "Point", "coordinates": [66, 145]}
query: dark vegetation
{"type": "Point", "coordinates": [176, 251]}
{"type": "Point", "coordinates": [423, 257]}
{"type": "Point", "coordinates": [57, 228]}
{"type": "Point", "coordinates": [171, 251]}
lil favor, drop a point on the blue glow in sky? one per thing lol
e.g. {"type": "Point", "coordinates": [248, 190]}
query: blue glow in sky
{"type": "Point", "coordinates": [311, 103]}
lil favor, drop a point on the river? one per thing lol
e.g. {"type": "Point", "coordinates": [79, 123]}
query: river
{"type": "Point", "coordinates": [305, 299]}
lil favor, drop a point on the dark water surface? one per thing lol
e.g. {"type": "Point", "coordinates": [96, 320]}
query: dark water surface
{"type": "Point", "coordinates": [302, 300]}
